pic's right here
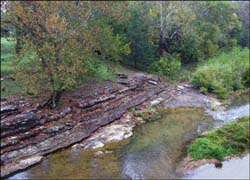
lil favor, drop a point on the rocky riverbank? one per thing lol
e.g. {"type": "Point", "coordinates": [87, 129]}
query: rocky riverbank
{"type": "Point", "coordinates": [181, 95]}
{"type": "Point", "coordinates": [28, 133]}
{"type": "Point", "coordinates": [89, 117]}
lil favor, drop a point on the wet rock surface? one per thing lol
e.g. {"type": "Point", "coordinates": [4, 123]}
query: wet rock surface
{"type": "Point", "coordinates": [29, 132]}
{"type": "Point", "coordinates": [22, 164]}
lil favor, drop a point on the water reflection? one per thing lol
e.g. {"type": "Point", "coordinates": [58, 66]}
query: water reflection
{"type": "Point", "coordinates": [237, 168]}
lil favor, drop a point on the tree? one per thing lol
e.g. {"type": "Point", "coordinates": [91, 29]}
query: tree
{"type": "Point", "coordinates": [171, 19]}
{"type": "Point", "coordinates": [223, 15]}
{"type": "Point", "coordinates": [4, 28]}
{"type": "Point", "coordinates": [243, 12]}
{"type": "Point", "coordinates": [215, 26]}
{"type": "Point", "coordinates": [140, 34]}
{"type": "Point", "coordinates": [58, 37]}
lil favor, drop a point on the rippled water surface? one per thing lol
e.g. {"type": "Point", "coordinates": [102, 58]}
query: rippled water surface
{"type": "Point", "coordinates": [239, 108]}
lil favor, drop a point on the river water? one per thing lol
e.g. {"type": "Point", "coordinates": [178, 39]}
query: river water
{"type": "Point", "coordinates": [236, 168]}
{"type": "Point", "coordinates": [153, 152]}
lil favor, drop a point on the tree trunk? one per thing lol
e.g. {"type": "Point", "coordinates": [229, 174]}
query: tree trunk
{"type": "Point", "coordinates": [53, 100]}
{"type": "Point", "coordinates": [55, 95]}
{"type": "Point", "coordinates": [135, 65]}
{"type": "Point", "coordinates": [18, 47]}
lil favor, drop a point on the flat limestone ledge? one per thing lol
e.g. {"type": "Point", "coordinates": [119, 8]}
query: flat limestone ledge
{"type": "Point", "coordinates": [114, 132]}
{"type": "Point", "coordinates": [20, 165]}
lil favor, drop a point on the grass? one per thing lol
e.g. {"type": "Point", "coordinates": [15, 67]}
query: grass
{"type": "Point", "coordinates": [149, 114]}
{"type": "Point", "coordinates": [231, 139]}
{"type": "Point", "coordinates": [224, 73]}
{"type": "Point", "coordinates": [7, 55]}
{"type": "Point", "coordinates": [105, 70]}
{"type": "Point", "coordinates": [11, 88]}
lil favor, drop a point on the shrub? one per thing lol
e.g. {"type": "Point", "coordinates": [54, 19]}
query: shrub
{"type": "Point", "coordinates": [99, 70]}
{"type": "Point", "coordinates": [232, 138]}
{"type": "Point", "coordinates": [149, 114]}
{"type": "Point", "coordinates": [225, 73]}
{"type": "Point", "coordinates": [167, 65]}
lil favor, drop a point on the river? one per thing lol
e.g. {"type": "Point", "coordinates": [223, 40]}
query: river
{"type": "Point", "coordinates": [236, 168]}
{"type": "Point", "coordinates": [153, 152]}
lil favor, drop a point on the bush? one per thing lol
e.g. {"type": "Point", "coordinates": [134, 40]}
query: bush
{"type": "Point", "coordinates": [150, 114]}
{"type": "Point", "coordinates": [166, 66]}
{"type": "Point", "coordinates": [225, 73]}
{"type": "Point", "coordinates": [99, 70]}
{"type": "Point", "coordinates": [232, 138]}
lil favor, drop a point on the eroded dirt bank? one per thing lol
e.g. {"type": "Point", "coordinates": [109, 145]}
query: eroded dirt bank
{"type": "Point", "coordinates": [28, 133]}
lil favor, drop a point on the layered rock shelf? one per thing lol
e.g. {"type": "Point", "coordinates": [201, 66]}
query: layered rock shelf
{"type": "Point", "coordinates": [28, 133]}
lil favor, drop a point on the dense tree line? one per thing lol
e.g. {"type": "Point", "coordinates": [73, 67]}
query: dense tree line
{"type": "Point", "coordinates": [62, 38]}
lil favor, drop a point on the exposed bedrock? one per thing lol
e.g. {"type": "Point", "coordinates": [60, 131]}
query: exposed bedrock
{"type": "Point", "coordinates": [28, 133]}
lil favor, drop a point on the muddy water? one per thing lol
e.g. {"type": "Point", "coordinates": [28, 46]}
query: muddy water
{"type": "Point", "coordinates": [151, 153]}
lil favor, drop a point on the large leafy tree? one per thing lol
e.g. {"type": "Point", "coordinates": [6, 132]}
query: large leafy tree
{"type": "Point", "coordinates": [58, 37]}
{"type": "Point", "coordinates": [214, 25]}
{"type": "Point", "coordinates": [170, 18]}
{"type": "Point", "coordinates": [218, 25]}
{"type": "Point", "coordinates": [141, 35]}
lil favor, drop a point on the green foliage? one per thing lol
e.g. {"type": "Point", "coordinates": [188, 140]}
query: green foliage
{"type": "Point", "coordinates": [64, 41]}
{"type": "Point", "coordinates": [208, 40]}
{"type": "Point", "coordinates": [58, 38]}
{"type": "Point", "coordinates": [166, 66]}
{"type": "Point", "coordinates": [231, 139]}
{"type": "Point", "coordinates": [7, 54]}
{"type": "Point", "coordinates": [99, 70]}
{"type": "Point", "coordinates": [224, 73]}
{"type": "Point", "coordinates": [243, 12]}
{"type": "Point", "coordinates": [111, 46]}
{"type": "Point", "coordinates": [186, 72]}
{"type": "Point", "coordinates": [216, 26]}
{"type": "Point", "coordinates": [139, 33]}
